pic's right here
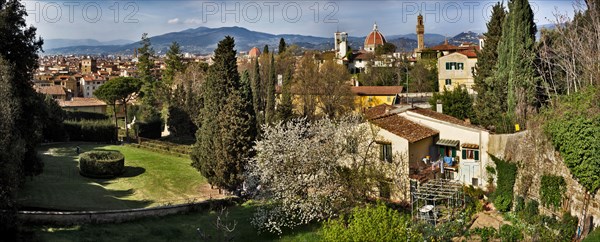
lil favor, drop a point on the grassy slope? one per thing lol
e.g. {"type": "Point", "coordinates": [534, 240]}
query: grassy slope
{"type": "Point", "coordinates": [594, 236]}
{"type": "Point", "coordinates": [150, 179]}
{"type": "Point", "coordinates": [173, 228]}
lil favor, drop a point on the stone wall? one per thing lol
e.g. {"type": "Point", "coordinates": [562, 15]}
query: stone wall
{"type": "Point", "coordinates": [116, 216]}
{"type": "Point", "coordinates": [535, 156]}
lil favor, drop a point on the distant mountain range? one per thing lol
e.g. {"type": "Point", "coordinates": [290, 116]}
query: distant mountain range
{"type": "Point", "coordinates": [60, 43]}
{"type": "Point", "coordinates": [204, 40]}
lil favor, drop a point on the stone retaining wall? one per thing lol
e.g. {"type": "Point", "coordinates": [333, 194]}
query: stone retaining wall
{"type": "Point", "coordinates": [117, 216]}
{"type": "Point", "coordinates": [535, 156]}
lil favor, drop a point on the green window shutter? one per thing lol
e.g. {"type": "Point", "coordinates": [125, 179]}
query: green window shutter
{"type": "Point", "coordinates": [464, 154]}
{"type": "Point", "coordinates": [453, 152]}
{"type": "Point", "coordinates": [476, 155]}
{"type": "Point", "coordinates": [388, 153]}
{"type": "Point", "coordinates": [381, 152]}
{"type": "Point", "coordinates": [442, 151]}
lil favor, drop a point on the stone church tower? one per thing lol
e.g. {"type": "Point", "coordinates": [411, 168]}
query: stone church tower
{"type": "Point", "coordinates": [420, 33]}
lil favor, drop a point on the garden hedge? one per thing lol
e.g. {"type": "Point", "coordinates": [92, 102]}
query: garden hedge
{"type": "Point", "coordinates": [90, 130]}
{"type": "Point", "coordinates": [101, 164]}
{"type": "Point", "coordinates": [78, 116]}
{"type": "Point", "coordinates": [151, 129]}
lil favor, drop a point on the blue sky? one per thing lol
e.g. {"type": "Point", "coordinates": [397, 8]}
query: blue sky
{"type": "Point", "coordinates": [100, 19]}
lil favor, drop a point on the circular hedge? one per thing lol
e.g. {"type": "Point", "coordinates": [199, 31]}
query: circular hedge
{"type": "Point", "coordinates": [101, 164]}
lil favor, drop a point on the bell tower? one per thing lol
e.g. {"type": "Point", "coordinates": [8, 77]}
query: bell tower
{"type": "Point", "coordinates": [420, 33]}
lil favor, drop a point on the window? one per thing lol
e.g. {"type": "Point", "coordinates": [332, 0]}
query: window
{"type": "Point", "coordinates": [475, 181]}
{"type": "Point", "coordinates": [87, 88]}
{"type": "Point", "coordinates": [455, 66]}
{"type": "Point", "coordinates": [385, 152]}
{"type": "Point", "coordinates": [448, 82]}
{"type": "Point", "coordinates": [470, 154]}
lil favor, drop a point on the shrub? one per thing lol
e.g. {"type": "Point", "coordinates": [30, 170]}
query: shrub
{"type": "Point", "coordinates": [78, 116]}
{"type": "Point", "coordinates": [151, 129]}
{"type": "Point", "coordinates": [90, 130]}
{"type": "Point", "coordinates": [531, 212]}
{"type": "Point", "coordinates": [101, 164]}
{"type": "Point", "coordinates": [520, 204]}
{"type": "Point", "coordinates": [552, 190]}
{"type": "Point", "coordinates": [507, 173]}
{"type": "Point", "coordinates": [510, 233]}
{"type": "Point", "coordinates": [567, 227]}
{"type": "Point", "coordinates": [370, 223]}
{"type": "Point", "coordinates": [485, 233]}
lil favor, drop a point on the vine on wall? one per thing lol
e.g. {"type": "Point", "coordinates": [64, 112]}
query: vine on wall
{"type": "Point", "coordinates": [507, 174]}
{"type": "Point", "coordinates": [552, 190]}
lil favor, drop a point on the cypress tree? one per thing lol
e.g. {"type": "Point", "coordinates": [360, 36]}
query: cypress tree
{"type": "Point", "coordinates": [516, 58]}
{"type": "Point", "coordinates": [257, 97]}
{"type": "Point", "coordinates": [173, 65]}
{"type": "Point", "coordinates": [270, 90]}
{"type": "Point", "coordinates": [224, 141]}
{"type": "Point", "coordinates": [145, 65]}
{"type": "Point", "coordinates": [266, 50]}
{"type": "Point", "coordinates": [285, 109]}
{"type": "Point", "coordinates": [491, 95]}
{"type": "Point", "coordinates": [282, 46]}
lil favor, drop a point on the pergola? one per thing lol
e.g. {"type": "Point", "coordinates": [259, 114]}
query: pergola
{"type": "Point", "coordinates": [436, 200]}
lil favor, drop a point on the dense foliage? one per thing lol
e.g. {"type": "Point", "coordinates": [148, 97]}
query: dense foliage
{"type": "Point", "coordinates": [509, 233]}
{"type": "Point", "coordinates": [507, 173]}
{"type": "Point", "coordinates": [150, 129]}
{"type": "Point", "coordinates": [90, 130]}
{"type": "Point", "coordinates": [491, 94]}
{"type": "Point", "coordinates": [573, 126]}
{"type": "Point", "coordinates": [78, 116]}
{"type": "Point", "coordinates": [370, 223]}
{"type": "Point", "coordinates": [552, 190]}
{"type": "Point", "coordinates": [228, 129]}
{"type": "Point", "coordinates": [101, 164]}
{"type": "Point", "coordinates": [457, 103]}
{"type": "Point", "coordinates": [119, 90]}
{"type": "Point", "coordinates": [515, 67]}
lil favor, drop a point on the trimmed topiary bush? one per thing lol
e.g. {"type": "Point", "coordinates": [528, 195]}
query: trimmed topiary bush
{"type": "Point", "coordinates": [101, 164]}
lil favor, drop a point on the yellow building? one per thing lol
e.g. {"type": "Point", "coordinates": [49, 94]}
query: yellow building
{"type": "Point", "coordinates": [371, 96]}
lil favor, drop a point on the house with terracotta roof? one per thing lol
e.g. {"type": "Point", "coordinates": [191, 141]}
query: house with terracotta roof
{"type": "Point", "coordinates": [457, 69]}
{"type": "Point", "coordinates": [81, 104]}
{"type": "Point", "coordinates": [89, 83]}
{"type": "Point", "coordinates": [434, 144]}
{"type": "Point", "coordinates": [56, 91]}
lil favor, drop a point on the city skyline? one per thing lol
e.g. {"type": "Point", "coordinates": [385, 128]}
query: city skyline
{"type": "Point", "coordinates": [102, 21]}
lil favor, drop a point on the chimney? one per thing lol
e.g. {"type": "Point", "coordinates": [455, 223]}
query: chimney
{"type": "Point", "coordinates": [439, 107]}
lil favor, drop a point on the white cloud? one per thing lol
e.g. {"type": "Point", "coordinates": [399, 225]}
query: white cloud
{"type": "Point", "coordinates": [173, 21]}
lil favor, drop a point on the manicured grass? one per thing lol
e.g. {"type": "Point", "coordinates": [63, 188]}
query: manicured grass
{"type": "Point", "coordinates": [174, 228]}
{"type": "Point", "coordinates": [150, 179]}
{"type": "Point", "coordinates": [594, 236]}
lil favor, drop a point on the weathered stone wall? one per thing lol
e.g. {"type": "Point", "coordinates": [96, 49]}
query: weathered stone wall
{"type": "Point", "coordinates": [535, 156]}
{"type": "Point", "coordinates": [117, 216]}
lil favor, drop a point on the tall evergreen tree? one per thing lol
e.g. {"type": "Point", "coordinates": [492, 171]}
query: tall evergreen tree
{"type": "Point", "coordinates": [516, 58]}
{"type": "Point", "coordinates": [285, 111]}
{"type": "Point", "coordinates": [257, 97]}
{"type": "Point", "coordinates": [20, 125]}
{"type": "Point", "coordinates": [145, 68]}
{"type": "Point", "coordinates": [270, 92]}
{"type": "Point", "coordinates": [266, 50]}
{"type": "Point", "coordinates": [224, 141]}
{"type": "Point", "coordinates": [282, 46]}
{"type": "Point", "coordinates": [174, 65]}
{"type": "Point", "coordinates": [491, 94]}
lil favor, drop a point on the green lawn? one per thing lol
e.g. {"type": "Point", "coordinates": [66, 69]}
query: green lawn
{"type": "Point", "coordinates": [173, 228]}
{"type": "Point", "coordinates": [150, 179]}
{"type": "Point", "coordinates": [594, 236]}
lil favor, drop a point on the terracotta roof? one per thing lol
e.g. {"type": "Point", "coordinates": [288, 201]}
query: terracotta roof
{"type": "Point", "coordinates": [375, 37]}
{"type": "Point", "coordinates": [377, 111]}
{"type": "Point", "coordinates": [51, 90]}
{"type": "Point", "coordinates": [82, 102]}
{"type": "Point", "coordinates": [376, 90]}
{"type": "Point", "coordinates": [404, 128]}
{"type": "Point", "coordinates": [469, 53]}
{"type": "Point", "coordinates": [445, 46]}
{"type": "Point", "coordinates": [443, 117]}
{"type": "Point", "coordinates": [254, 52]}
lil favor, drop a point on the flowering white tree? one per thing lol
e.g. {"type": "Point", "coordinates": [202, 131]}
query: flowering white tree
{"type": "Point", "coordinates": [307, 171]}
